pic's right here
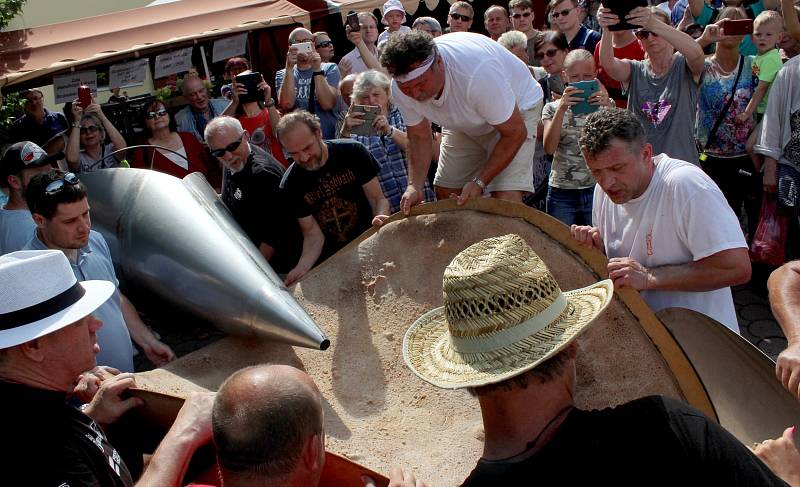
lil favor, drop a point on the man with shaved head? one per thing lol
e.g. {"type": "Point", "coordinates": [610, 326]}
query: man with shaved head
{"type": "Point", "coordinates": [268, 427]}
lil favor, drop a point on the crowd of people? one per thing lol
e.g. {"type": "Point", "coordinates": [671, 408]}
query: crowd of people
{"type": "Point", "coordinates": [654, 134]}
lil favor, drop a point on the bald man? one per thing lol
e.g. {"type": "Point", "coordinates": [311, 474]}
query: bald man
{"type": "Point", "coordinates": [268, 427]}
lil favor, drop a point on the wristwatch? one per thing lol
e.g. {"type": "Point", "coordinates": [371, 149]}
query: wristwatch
{"type": "Point", "coordinates": [271, 103]}
{"type": "Point", "coordinates": [76, 125]}
{"type": "Point", "coordinates": [480, 184]}
{"type": "Point", "coordinates": [319, 72]}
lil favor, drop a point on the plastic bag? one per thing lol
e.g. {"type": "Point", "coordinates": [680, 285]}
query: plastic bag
{"type": "Point", "coordinates": [769, 243]}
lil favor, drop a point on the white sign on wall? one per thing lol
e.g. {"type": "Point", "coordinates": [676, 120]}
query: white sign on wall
{"type": "Point", "coordinates": [127, 74]}
{"type": "Point", "coordinates": [173, 62]}
{"type": "Point", "coordinates": [229, 47]}
{"type": "Point", "coordinates": [66, 85]}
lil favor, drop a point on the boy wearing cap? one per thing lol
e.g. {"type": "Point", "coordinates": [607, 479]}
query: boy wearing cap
{"type": "Point", "coordinates": [20, 163]}
{"type": "Point", "coordinates": [47, 339]}
{"type": "Point", "coordinates": [394, 15]}
{"type": "Point", "coordinates": [506, 332]}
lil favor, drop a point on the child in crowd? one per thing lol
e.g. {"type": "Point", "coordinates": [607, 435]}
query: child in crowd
{"type": "Point", "coordinates": [767, 31]}
{"type": "Point", "coordinates": [393, 17]}
{"type": "Point", "coordinates": [571, 183]}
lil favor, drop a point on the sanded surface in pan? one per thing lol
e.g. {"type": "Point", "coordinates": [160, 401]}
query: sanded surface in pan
{"type": "Point", "coordinates": [377, 412]}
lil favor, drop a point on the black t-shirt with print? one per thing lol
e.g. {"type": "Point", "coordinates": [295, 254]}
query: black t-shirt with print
{"type": "Point", "coordinates": [649, 441]}
{"type": "Point", "coordinates": [254, 198]}
{"type": "Point", "coordinates": [333, 194]}
{"type": "Point", "coordinates": [50, 443]}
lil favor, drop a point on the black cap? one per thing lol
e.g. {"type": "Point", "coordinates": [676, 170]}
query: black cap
{"type": "Point", "coordinates": [23, 155]}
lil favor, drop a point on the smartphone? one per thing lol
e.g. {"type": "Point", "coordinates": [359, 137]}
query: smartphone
{"type": "Point", "coordinates": [737, 27]}
{"type": "Point", "coordinates": [352, 21]}
{"type": "Point", "coordinates": [588, 87]}
{"type": "Point", "coordinates": [84, 96]}
{"type": "Point", "coordinates": [366, 128]}
{"type": "Point", "coordinates": [250, 81]}
{"type": "Point", "coordinates": [304, 47]}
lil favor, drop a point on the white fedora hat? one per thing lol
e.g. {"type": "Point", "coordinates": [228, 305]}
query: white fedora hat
{"type": "Point", "coordinates": [39, 294]}
{"type": "Point", "coordinates": [503, 314]}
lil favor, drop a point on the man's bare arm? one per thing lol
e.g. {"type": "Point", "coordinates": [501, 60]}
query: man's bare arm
{"type": "Point", "coordinates": [419, 153]}
{"type": "Point", "coordinates": [784, 298]}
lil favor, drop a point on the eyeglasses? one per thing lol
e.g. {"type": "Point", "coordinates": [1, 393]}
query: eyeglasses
{"type": "Point", "coordinates": [549, 53]}
{"type": "Point", "coordinates": [324, 44]}
{"type": "Point", "coordinates": [89, 129]}
{"type": "Point", "coordinates": [564, 12]}
{"type": "Point", "coordinates": [56, 186]}
{"type": "Point", "coordinates": [228, 148]}
{"type": "Point", "coordinates": [644, 34]}
{"type": "Point", "coordinates": [518, 16]}
{"type": "Point", "coordinates": [463, 18]}
{"type": "Point", "coordinates": [158, 113]}
{"type": "Point", "coordinates": [299, 41]}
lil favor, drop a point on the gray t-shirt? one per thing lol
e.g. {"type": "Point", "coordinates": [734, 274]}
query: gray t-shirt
{"type": "Point", "coordinates": [666, 106]}
{"type": "Point", "coordinates": [16, 229]}
{"type": "Point", "coordinates": [569, 170]}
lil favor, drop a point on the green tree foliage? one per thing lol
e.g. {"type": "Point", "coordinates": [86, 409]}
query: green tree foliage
{"type": "Point", "coordinates": [8, 10]}
{"type": "Point", "coordinates": [10, 109]}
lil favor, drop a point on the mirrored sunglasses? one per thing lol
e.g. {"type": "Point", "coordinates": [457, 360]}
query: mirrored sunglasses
{"type": "Point", "coordinates": [56, 186]}
{"type": "Point", "coordinates": [157, 113]}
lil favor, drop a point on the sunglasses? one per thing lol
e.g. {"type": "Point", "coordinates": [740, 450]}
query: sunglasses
{"type": "Point", "coordinates": [89, 129]}
{"type": "Point", "coordinates": [463, 18]}
{"type": "Point", "coordinates": [158, 113]}
{"type": "Point", "coordinates": [644, 34]}
{"type": "Point", "coordinates": [549, 53]}
{"type": "Point", "coordinates": [324, 44]}
{"type": "Point", "coordinates": [564, 12]}
{"type": "Point", "coordinates": [56, 186]}
{"type": "Point", "coordinates": [519, 16]}
{"type": "Point", "coordinates": [228, 148]}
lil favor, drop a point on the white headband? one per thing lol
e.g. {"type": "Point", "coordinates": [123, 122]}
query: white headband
{"type": "Point", "coordinates": [418, 71]}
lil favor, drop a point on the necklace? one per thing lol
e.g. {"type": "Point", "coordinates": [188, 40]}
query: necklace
{"type": "Point", "coordinates": [530, 447]}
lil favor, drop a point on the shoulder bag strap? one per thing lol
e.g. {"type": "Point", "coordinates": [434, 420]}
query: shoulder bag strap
{"type": "Point", "coordinates": [713, 133]}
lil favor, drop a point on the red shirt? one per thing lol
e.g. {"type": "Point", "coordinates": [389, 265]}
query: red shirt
{"type": "Point", "coordinates": [631, 51]}
{"type": "Point", "coordinates": [261, 135]}
{"type": "Point", "coordinates": [199, 160]}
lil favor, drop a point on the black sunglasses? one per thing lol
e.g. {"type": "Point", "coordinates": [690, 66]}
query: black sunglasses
{"type": "Point", "coordinates": [89, 129]}
{"type": "Point", "coordinates": [463, 18]}
{"type": "Point", "coordinates": [228, 148]}
{"type": "Point", "coordinates": [56, 186]}
{"type": "Point", "coordinates": [324, 44]}
{"type": "Point", "coordinates": [564, 12]}
{"type": "Point", "coordinates": [549, 53]}
{"type": "Point", "coordinates": [158, 113]}
{"type": "Point", "coordinates": [644, 34]}
{"type": "Point", "coordinates": [525, 14]}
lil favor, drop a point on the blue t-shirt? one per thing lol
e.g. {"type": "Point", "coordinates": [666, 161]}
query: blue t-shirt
{"type": "Point", "coordinates": [94, 263]}
{"type": "Point", "coordinates": [302, 86]}
{"type": "Point", "coordinates": [16, 229]}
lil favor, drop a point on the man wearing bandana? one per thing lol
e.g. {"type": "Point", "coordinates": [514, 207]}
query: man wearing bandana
{"type": "Point", "coordinates": [487, 103]}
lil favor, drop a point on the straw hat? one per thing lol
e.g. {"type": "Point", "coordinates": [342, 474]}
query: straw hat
{"type": "Point", "coordinates": [503, 314]}
{"type": "Point", "coordinates": [39, 295]}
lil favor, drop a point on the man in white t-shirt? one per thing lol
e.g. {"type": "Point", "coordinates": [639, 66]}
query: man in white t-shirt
{"type": "Point", "coordinates": [664, 225]}
{"type": "Point", "coordinates": [487, 103]}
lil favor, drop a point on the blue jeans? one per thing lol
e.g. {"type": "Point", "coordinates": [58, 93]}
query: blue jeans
{"type": "Point", "coordinates": [571, 206]}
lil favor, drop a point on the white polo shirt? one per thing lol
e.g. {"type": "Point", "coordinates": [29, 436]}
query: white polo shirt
{"type": "Point", "coordinates": [483, 84]}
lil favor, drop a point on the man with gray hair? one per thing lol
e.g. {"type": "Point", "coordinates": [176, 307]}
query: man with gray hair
{"type": "Point", "coordinates": [429, 25]}
{"type": "Point", "coordinates": [200, 110]}
{"type": "Point", "coordinates": [487, 103]}
{"type": "Point", "coordinates": [250, 190]}
{"type": "Point", "coordinates": [306, 83]}
{"type": "Point", "coordinates": [664, 225]}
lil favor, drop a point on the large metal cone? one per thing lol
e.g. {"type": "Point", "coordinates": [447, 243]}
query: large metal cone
{"type": "Point", "coordinates": [177, 239]}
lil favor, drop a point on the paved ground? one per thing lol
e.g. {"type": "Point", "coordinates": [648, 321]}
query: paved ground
{"type": "Point", "coordinates": [752, 307]}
